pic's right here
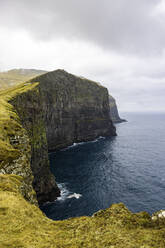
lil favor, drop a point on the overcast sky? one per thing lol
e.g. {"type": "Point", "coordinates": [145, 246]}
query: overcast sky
{"type": "Point", "coordinates": [120, 43]}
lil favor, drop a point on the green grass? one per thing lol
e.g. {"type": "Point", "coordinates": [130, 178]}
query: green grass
{"type": "Point", "coordinates": [9, 121]}
{"type": "Point", "coordinates": [16, 76]}
{"type": "Point", "coordinates": [24, 225]}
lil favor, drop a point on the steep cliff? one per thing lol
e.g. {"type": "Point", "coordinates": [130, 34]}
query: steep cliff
{"type": "Point", "coordinates": [75, 109]}
{"type": "Point", "coordinates": [16, 76]}
{"type": "Point", "coordinates": [56, 110]}
{"type": "Point", "coordinates": [114, 114]}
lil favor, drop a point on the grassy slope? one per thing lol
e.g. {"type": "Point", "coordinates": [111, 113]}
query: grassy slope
{"type": "Point", "coordinates": [16, 76]}
{"type": "Point", "coordinates": [24, 225]}
{"type": "Point", "coordinates": [9, 121]}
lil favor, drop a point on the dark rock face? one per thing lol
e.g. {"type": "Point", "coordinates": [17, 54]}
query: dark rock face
{"type": "Point", "coordinates": [61, 110]}
{"type": "Point", "coordinates": [114, 114]}
{"type": "Point", "coordinates": [75, 109]}
{"type": "Point", "coordinates": [29, 108]}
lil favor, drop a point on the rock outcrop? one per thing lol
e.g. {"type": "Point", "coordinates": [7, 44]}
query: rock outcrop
{"type": "Point", "coordinates": [114, 114]}
{"type": "Point", "coordinates": [57, 110]}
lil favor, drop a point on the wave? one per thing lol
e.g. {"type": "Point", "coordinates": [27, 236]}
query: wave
{"type": "Point", "coordinates": [82, 143]}
{"type": "Point", "coordinates": [74, 195]}
{"type": "Point", "coordinates": [65, 193]}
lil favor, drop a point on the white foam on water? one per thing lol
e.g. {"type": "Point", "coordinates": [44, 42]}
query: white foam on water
{"type": "Point", "coordinates": [82, 143]}
{"type": "Point", "coordinates": [78, 144]}
{"type": "Point", "coordinates": [74, 144]}
{"type": "Point", "coordinates": [74, 195]}
{"type": "Point", "coordinates": [93, 141]}
{"type": "Point", "coordinates": [64, 192]}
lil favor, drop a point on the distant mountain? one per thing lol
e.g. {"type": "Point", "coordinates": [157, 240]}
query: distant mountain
{"type": "Point", "coordinates": [114, 114]}
{"type": "Point", "coordinates": [15, 76]}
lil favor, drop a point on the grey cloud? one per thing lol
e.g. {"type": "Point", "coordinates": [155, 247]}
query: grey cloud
{"type": "Point", "coordinates": [126, 37]}
{"type": "Point", "coordinates": [136, 100]}
{"type": "Point", "coordinates": [124, 25]}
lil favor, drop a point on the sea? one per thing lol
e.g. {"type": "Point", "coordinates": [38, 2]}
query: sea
{"type": "Point", "coordinates": [128, 168]}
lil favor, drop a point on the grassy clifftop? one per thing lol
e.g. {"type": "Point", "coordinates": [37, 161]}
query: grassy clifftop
{"type": "Point", "coordinates": [9, 121]}
{"type": "Point", "coordinates": [24, 225]}
{"type": "Point", "coordinates": [14, 141]}
{"type": "Point", "coordinates": [16, 76]}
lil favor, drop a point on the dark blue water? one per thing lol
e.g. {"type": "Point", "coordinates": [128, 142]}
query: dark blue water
{"type": "Point", "coordinates": [129, 168]}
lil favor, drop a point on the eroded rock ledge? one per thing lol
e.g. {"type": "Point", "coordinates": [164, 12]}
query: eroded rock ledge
{"type": "Point", "coordinates": [55, 110]}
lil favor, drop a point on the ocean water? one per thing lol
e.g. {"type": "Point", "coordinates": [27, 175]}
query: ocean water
{"type": "Point", "coordinates": [128, 168]}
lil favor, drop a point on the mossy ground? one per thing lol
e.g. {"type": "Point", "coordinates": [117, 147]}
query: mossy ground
{"type": "Point", "coordinates": [9, 122]}
{"type": "Point", "coordinates": [14, 142]}
{"type": "Point", "coordinates": [16, 76]}
{"type": "Point", "coordinates": [24, 225]}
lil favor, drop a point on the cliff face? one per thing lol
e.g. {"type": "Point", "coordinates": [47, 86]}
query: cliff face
{"type": "Point", "coordinates": [114, 114]}
{"type": "Point", "coordinates": [16, 76]}
{"type": "Point", "coordinates": [75, 109]}
{"type": "Point", "coordinates": [61, 109]}
{"type": "Point", "coordinates": [30, 111]}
